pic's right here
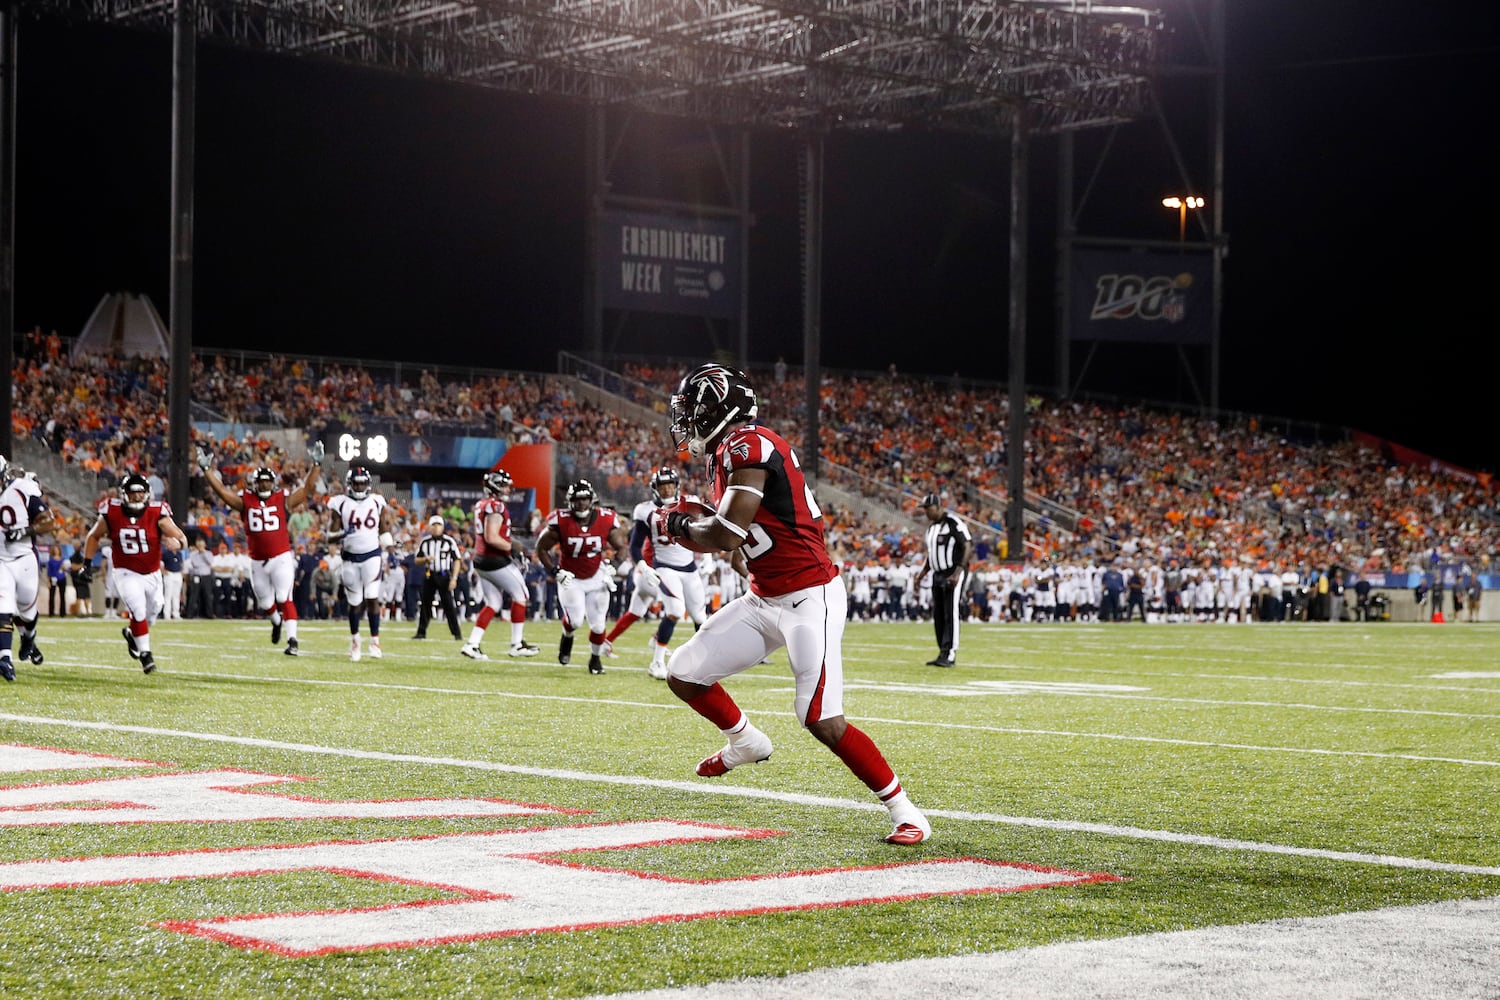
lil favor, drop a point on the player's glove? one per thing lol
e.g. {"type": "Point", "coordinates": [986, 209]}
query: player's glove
{"type": "Point", "coordinates": [386, 541]}
{"type": "Point", "coordinates": [86, 574]}
{"type": "Point", "coordinates": [677, 524]}
{"type": "Point", "coordinates": [650, 576]}
{"type": "Point", "coordinates": [610, 583]}
{"type": "Point", "coordinates": [333, 536]}
{"type": "Point", "coordinates": [205, 460]}
{"type": "Point", "coordinates": [316, 453]}
{"type": "Point", "coordinates": [17, 534]}
{"type": "Point", "coordinates": [565, 578]}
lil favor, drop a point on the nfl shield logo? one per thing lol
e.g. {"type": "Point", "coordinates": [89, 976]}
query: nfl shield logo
{"type": "Point", "coordinates": [1174, 308]}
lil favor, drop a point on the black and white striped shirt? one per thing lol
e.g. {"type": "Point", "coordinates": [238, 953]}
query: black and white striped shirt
{"type": "Point", "coordinates": [440, 553]}
{"type": "Point", "coordinates": [947, 544]}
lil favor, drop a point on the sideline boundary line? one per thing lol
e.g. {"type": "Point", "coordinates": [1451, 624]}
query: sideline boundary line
{"type": "Point", "coordinates": [699, 788]}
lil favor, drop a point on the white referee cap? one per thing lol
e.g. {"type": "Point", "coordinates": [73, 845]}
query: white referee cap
{"type": "Point", "coordinates": [435, 519]}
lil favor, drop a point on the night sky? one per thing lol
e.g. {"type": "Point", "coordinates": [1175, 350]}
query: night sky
{"type": "Point", "coordinates": [355, 213]}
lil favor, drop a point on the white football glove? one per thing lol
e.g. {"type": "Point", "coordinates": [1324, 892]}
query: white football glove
{"type": "Point", "coordinates": [609, 582]}
{"type": "Point", "coordinates": [565, 578]}
{"type": "Point", "coordinates": [205, 460]}
{"type": "Point", "coordinates": [650, 576]}
{"type": "Point", "coordinates": [316, 453]}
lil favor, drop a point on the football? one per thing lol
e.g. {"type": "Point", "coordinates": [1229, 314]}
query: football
{"type": "Point", "coordinates": [696, 509]}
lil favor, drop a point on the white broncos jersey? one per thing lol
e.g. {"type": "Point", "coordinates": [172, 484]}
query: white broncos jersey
{"type": "Point", "coordinates": [665, 550]}
{"type": "Point", "coordinates": [360, 520]}
{"type": "Point", "coordinates": [20, 503]}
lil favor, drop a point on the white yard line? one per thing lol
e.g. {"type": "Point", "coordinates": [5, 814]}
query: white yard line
{"type": "Point", "coordinates": [820, 801]}
{"type": "Point", "coordinates": [1436, 951]}
{"type": "Point", "coordinates": [674, 706]}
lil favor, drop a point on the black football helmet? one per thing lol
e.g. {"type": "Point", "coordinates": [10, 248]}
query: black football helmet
{"type": "Point", "coordinates": [498, 483]}
{"type": "Point", "coordinates": [135, 493]}
{"type": "Point", "coordinates": [710, 400]}
{"type": "Point", "coordinates": [581, 498]}
{"type": "Point", "coordinates": [357, 482]}
{"type": "Point", "coordinates": [263, 482]}
{"type": "Point", "coordinates": [665, 485]}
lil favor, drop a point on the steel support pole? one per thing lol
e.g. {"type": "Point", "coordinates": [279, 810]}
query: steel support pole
{"type": "Point", "coordinates": [1217, 33]}
{"type": "Point", "coordinates": [1065, 234]}
{"type": "Point", "coordinates": [742, 202]}
{"type": "Point", "coordinates": [596, 176]}
{"type": "Point", "coordinates": [7, 215]}
{"type": "Point", "coordinates": [180, 387]}
{"type": "Point", "coordinates": [1016, 439]}
{"type": "Point", "coordinates": [812, 295]}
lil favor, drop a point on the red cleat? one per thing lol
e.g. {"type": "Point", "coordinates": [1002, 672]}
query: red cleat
{"type": "Point", "coordinates": [907, 834]}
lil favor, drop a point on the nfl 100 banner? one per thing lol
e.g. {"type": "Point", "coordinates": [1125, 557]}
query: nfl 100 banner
{"type": "Point", "coordinates": [670, 263]}
{"type": "Point", "coordinates": [1163, 298]}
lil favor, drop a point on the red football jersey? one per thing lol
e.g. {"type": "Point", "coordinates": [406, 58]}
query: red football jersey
{"type": "Point", "coordinates": [135, 541]}
{"type": "Point", "coordinates": [482, 512]}
{"type": "Point", "coordinates": [266, 527]}
{"type": "Point", "coordinates": [582, 548]}
{"type": "Point", "coordinates": [785, 550]}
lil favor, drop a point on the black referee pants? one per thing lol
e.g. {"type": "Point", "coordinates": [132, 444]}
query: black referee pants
{"type": "Point", "coordinates": [947, 606]}
{"type": "Point", "coordinates": [436, 585]}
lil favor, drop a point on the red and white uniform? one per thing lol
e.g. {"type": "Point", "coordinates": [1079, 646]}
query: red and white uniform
{"type": "Point", "coordinates": [581, 552]}
{"type": "Point", "coordinates": [797, 596]}
{"type": "Point", "coordinates": [135, 555]}
{"type": "Point", "coordinates": [501, 582]}
{"type": "Point", "coordinates": [273, 568]}
{"type": "Point", "coordinates": [785, 549]}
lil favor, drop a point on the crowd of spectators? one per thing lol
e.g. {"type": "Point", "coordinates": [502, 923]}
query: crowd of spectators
{"type": "Point", "coordinates": [1126, 479]}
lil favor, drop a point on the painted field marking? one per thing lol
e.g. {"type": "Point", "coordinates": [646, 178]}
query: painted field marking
{"type": "Point", "coordinates": [820, 801]}
{"type": "Point", "coordinates": [507, 883]}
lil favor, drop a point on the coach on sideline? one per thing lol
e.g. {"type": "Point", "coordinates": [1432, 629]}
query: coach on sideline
{"type": "Point", "coordinates": [948, 547]}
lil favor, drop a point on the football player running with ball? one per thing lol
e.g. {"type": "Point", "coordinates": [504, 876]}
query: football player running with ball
{"type": "Point", "coordinates": [265, 508]}
{"type": "Point", "coordinates": [766, 511]}
{"type": "Point", "coordinates": [364, 527]}
{"type": "Point", "coordinates": [137, 527]}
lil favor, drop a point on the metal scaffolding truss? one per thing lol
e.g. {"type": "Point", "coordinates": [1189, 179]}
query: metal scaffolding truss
{"type": "Point", "coordinates": [947, 64]}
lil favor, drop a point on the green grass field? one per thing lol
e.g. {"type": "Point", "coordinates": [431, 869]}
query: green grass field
{"type": "Point", "coordinates": [1219, 774]}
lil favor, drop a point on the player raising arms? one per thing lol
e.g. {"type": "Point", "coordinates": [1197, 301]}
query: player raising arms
{"type": "Point", "coordinates": [137, 527]}
{"type": "Point", "coordinates": [364, 526]}
{"type": "Point", "coordinates": [23, 516]}
{"type": "Point", "coordinates": [581, 533]}
{"type": "Point", "coordinates": [766, 510]}
{"type": "Point", "coordinates": [497, 563]}
{"type": "Point", "coordinates": [265, 507]}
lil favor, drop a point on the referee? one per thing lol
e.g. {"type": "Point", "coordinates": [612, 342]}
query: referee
{"type": "Point", "coordinates": [438, 555]}
{"type": "Point", "coordinates": [948, 548]}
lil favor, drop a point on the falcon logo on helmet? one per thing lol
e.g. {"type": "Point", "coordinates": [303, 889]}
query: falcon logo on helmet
{"type": "Point", "coordinates": [135, 493]}
{"type": "Point", "coordinates": [708, 402]}
{"type": "Point", "coordinates": [665, 485]}
{"type": "Point", "coordinates": [263, 482]}
{"type": "Point", "coordinates": [498, 483]}
{"type": "Point", "coordinates": [581, 497]}
{"type": "Point", "coordinates": [357, 482]}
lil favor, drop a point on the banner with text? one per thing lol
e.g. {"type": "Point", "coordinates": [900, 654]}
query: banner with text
{"type": "Point", "coordinates": [669, 263]}
{"type": "Point", "coordinates": [1159, 298]}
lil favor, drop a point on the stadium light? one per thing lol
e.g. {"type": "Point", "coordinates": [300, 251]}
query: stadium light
{"type": "Point", "coordinates": [1182, 205]}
